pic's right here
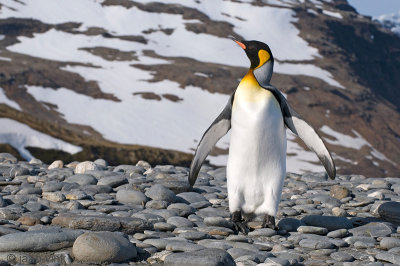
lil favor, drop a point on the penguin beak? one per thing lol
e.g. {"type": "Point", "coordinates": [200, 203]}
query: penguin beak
{"type": "Point", "coordinates": [240, 44]}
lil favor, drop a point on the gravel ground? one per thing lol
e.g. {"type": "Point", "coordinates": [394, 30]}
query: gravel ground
{"type": "Point", "coordinates": [92, 213]}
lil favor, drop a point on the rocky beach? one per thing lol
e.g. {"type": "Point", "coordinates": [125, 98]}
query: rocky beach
{"type": "Point", "coordinates": [92, 213]}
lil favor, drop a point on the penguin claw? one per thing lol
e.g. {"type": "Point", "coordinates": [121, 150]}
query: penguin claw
{"type": "Point", "coordinates": [238, 224]}
{"type": "Point", "coordinates": [240, 227]}
{"type": "Point", "coordinates": [269, 222]}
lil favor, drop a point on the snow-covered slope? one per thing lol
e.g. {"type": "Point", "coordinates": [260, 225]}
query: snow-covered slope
{"type": "Point", "coordinates": [390, 21]}
{"type": "Point", "coordinates": [141, 109]}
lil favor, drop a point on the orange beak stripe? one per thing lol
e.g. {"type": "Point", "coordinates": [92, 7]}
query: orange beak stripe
{"type": "Point", "coordinates": [240, 44]}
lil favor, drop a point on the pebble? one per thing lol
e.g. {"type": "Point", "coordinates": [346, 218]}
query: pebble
{"type": "Point", "coordinates": [39, 240]}
{"type": "Point", "coordinates": [316, 244]}
{"type": "Point", "coordinates": [209, 257]}
{"type": "Point", "coordinates": [373, 230]}
{"type": "Point", "coordinates": [218, 221]}
{"type": "Point", "coordinates": [190, 197]}
{"type": "Point", "coordinates": [113, 181]}
{"type": "Point", "coordinates": [131, 196]}
{"type": "Point", "coordinates": [82, 179]}
{"type": "Point", "coordinates": [342, 256]}
{"type": "Point", "coordinates": [56, 164]}
{"type": "Point", "coordinates": [161, 193]}
{"type": "Point", "coordinates": [389, 242]}
{"type": "Point", "coordinates": [329, 222]}
{"type": "Point", "coordinates": [103, 247]}
{"type": "Point", "coordinates": [46, 210]}
{"type": "Point", "coordinates": [339, 192]}
{"type": "Point", "coordinates": [180, 222]}
{"type": "Point", "coordinates": [312, 230]}
{"type": "Point", "coordinates": [81, 168]}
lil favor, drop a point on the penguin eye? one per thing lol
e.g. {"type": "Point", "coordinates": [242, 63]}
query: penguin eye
{"type": "Point", "coordinates": [263, 57]}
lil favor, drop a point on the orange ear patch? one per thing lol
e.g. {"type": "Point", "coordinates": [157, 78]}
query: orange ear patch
{"type": "Point", "coordinates": [263, 56]}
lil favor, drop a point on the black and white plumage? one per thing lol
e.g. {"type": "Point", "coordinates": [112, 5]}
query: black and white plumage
{"type": "Point", "coordinates": [257, 114]}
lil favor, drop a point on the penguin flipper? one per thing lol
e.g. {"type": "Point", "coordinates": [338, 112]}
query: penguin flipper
{"type": "Point", "coordinates": [217, 130]}
{"type": "Point", "coordinates": [305, 132]}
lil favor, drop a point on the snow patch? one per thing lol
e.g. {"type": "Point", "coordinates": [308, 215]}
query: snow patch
{"type": "Point", "coordinates": [4, 99]}
{"type": "Point", "coordinates": [20, 136]}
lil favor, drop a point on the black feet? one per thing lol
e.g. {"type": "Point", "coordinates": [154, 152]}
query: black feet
{"type": "Point", "coordinates": [269, 221]}
{"type": "Point", "coordinates": [239, 225]}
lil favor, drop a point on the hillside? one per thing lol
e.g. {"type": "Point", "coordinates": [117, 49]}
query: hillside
{"type": "Point", "coordinates": [124, 80]}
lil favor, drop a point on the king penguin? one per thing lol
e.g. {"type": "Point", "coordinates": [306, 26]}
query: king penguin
{"type": "Point", "coordinates": [257, 114]}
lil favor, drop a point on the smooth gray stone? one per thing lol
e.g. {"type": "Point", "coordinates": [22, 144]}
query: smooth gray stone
{"type": "Point", "coordinates": [166, 214]}
{"type": "Point", "coordinates": [52, 186]}
{"type": "Point", "coordinates": [11, 213]}
{"type": "Point", "coordinates": [131, 196]}
{"type": "Point", "coordinates": [177, 186]}
{"type": "Point", "coordinates": [211, 243]}
{"type": "Point", "coordinates": [113, 181]}
{"type": "Point", "coordinates": [30, 190]}
{"type": "Point", "coordinates": [373, 230]}
{"type": "Point", "coordinates": [5, 230]}
{"type": "Point", "coordinates": [81, 179]}
{"type": "Point", "coordinates": [342, 256]}
{"type": "Point", "coordinates": [201, 204]}
{"type": "Point", "coordinates": [101, 247]}
{"type": "Point", "coordinates": [194, 235]}
{"type": "Point", "coordinates": [314, 177]}
{"type": "Point", "coordinates": [389, 257]}
{"type": "Point", "coordinates": [276, 261]}
{"type": "Point", "coordinates": [180, 222]}
{"type": "Point", "coordinates": [291, 256]}
{"type": "Point", "coordinates": [329, 222]}
{"type": "Point", "coordinates": [216, 230]}
{"type": "Point", "coordinates": [7, 157]}
{"type": "Point", "coordinates": [238, 252]}
{"type": "Point", "coordinates": [327, 201]}
{"type": "Point", "coordinates": [219, 174]}
{"type": "Point", "coordinates": [150, 217]}
{"type": "Point", "coordinates": [290, 224]}
{"type": "Point", "coordinates": [340, 233]}
{"type": "Point", "coordinates": [34, 206]}
{"type": "Point", "coordinates": [316, 244]}
{"type": "Point", "coordinates": [101, 162]}
{"type": "Point", "coordinates": [160, 192]}
{"type": "Point", "coordinates": [218, 221]}
{"type": "Point", "coordinates": [213, 212]}
{"type": "Point", "coordinates": [389, 242]}
{"type": "Point", "coordinates": [390, 211]}
{"type": "Point", "coordinates": [267, 232]}
{"type": "Point", "coordinates": [353, 239]}
{"type": "Point", "coordinates": [164, 226]}
{"type": "Point", "coordinates": [239, 238]}
{"type": "Point", "coordinates": [40, 240]}
{"type": "Point", "coordinates": [209, 257]}
{"type": "Point", "coordinates": [182, 209]}
{"type": "Point", "coordinates": [312, 230]}
{"type": "Point", "coordinates": [156, 204]}
{"type": "Point", "coordinates": [128, 225]}
{"type": "Point", "coordinates": [129, 169]}
{"type": "Point", "coordinates": [96, 189]}
{"type": "Point", "coordinates": [182, 246]}
{"type": "Point", "coordinates": [18, 171]}
{"type": "Point", "coordinates": [190, 197]}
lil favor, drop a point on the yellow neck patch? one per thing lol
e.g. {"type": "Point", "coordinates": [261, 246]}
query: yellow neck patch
{"type": "Point", "coordinates": [264, 56]}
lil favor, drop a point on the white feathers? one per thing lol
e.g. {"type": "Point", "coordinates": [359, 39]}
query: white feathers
{"type": "Point", "coordinates": [257, 155]}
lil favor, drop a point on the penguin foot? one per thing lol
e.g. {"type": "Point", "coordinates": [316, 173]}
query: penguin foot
{"type": "Point", "coordinates": [269, 221]}
{"type": "Point", "coordinates": [239, 225]}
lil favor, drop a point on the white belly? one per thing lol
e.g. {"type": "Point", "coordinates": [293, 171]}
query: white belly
{"type": "Point", "coordinates": [257, 155]}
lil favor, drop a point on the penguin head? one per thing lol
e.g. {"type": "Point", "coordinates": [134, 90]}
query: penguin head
{"type": "Point", "coordinates": [258, 52]}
